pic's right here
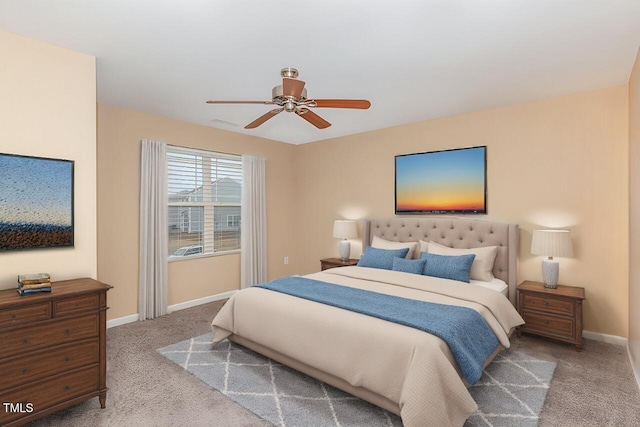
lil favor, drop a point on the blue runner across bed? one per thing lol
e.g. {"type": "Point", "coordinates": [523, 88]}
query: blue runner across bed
{"type": "Point", "coordinates": [467, 334]}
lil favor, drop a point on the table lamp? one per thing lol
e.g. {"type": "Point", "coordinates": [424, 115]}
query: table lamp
{"type": "Point", "coordinates": [551, 243]}
{"type": "Point", "coordinates": [344, 229]}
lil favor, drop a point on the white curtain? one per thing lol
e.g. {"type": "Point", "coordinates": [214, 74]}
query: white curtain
{"type": "Point", "coordinates": [253, 222]}
{"type": "Point", "coordinates": [153, 279]}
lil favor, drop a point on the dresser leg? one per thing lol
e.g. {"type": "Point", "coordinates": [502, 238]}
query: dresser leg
{"type": "Point", "coordinates": [103, 399]}
{"type": "Point", "coordinates": [578, 347]}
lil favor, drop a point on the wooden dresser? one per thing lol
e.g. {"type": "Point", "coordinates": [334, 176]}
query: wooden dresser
{"type": "Point", "coordinates": [52, 349]}
{"type": "Point", "coordinates": [553, 313]}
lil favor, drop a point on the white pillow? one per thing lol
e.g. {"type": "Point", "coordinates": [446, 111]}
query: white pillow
{"type": "Point", "coordinates": [482, 267]}
{"type": "Point", "coordinates": [380, 243]}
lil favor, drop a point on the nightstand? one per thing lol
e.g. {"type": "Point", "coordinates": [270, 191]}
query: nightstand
{"type": "Point", "coordinates": [552, 313]}
{"type": "Point", "coordinates": [328, 263]}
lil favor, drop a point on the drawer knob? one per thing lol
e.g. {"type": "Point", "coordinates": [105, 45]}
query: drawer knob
{"type": "Point", "coordinates": [66, 360]}
{"type": "Point", "coordinates": [13, 315]}
{"type": "Point", "coordinates": [66, 332]}
{"type": "Point", "coordinates": [25, 341]}
{"type": "Point", "coordinates": [546, 303]}
{"type": "Point", "coordinates": [25, 370]}
{"type": "Point", "coordinates": [66, 388]}
{"type": "Point", "coordinates": [546, 322]}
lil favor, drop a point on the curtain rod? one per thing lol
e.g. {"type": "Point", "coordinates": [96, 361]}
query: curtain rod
{"type": "Point", "coordinates": [202, 149]}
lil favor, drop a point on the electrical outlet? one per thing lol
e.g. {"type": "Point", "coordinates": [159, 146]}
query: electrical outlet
{"type": "Point", "coordinates": [286, 260]}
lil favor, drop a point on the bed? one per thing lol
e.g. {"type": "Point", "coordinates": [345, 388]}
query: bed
{"type": "Point", "coordinates": [403, 369]}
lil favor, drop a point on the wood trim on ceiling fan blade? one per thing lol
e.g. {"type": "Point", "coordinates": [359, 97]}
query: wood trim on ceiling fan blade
{"type": "Point", "coordinates": [263, 118]}
{"type": "Point", "coordinates": [314, 119]}
{"type": "Point", "coordinates": [292, 87]}
{"type": "Point", "coordinates": [362, 104]}
{"type": "Point", "coordinates": [241, 102]}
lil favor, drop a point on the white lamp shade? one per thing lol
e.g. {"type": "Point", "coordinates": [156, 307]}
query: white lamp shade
{"type": "Point", "coordinates": [552, 243]}
{"type": "Point", "coordinates": [344, 229]}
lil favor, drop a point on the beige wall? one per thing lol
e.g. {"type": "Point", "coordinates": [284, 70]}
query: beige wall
{"type": "Point", "coordinates": [634, 215]}
{"type": "Point", "coordinates": [119, 135]}
{"type": "Point", "coordinates": [48, 109]}
{"type": "Point", "coordinates": [558, 162]}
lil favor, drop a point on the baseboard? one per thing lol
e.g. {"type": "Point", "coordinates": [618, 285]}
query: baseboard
{"type": "Point", "coordinates": [635, 363]}
{"type": "Point", "coordinates": [122, 320]}
{"type": "Point", "coordinates": [199, 301]}
{"type": "Point", "coordinates": [175, 307]}
{"type": "Point", "coordinates": [609, 339]}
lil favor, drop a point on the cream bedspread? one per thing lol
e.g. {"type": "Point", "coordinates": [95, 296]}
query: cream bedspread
{"type": "Point", "coordinates": [407, 366]}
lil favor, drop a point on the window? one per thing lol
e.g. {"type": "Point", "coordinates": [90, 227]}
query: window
{"type": "Point", "coordinates": [233, 220]}
{"type": "Point", "coordinates": [204, 190]}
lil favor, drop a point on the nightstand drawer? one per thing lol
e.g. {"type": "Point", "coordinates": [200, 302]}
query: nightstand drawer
{"type": "Point", "coordinates": [548, 305]}
{"type": "Point", "coordinates": [549, 324]}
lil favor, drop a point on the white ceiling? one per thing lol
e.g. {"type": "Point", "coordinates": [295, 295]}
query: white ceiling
{"type": "Point", "coordinates": [413, 59]}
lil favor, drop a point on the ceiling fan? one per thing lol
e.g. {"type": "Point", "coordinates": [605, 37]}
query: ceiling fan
{"type": "Point", "coordinates": [291, 96]}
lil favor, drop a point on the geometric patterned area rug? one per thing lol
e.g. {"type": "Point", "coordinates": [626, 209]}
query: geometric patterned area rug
{"type": "Point", "coordinates": [511, 392]}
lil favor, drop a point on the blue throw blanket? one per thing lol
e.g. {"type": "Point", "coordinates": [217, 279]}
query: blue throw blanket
{"type": "Point", "coordinates": [469, 337]}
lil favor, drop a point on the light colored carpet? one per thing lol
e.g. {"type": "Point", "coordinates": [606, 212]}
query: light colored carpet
{"type": "Point", "coordinates": [593, 388]}
{"type": "Point", "coordinates": [511, 391]}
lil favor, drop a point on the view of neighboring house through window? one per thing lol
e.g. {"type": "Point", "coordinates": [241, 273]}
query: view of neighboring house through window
{"type": "Point", "coordinates": [233, 220]}
{"type": "Point", "coordinates": [204, 202]}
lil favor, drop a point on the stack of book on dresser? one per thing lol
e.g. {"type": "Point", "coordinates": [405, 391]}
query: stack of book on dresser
{"type": "Point", "coordinates": [34, 283]}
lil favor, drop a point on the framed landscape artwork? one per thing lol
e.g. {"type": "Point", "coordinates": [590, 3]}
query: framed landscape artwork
{"type": "Point", "coordinates": [439, 182]}
{"type": "Point", "coordinates": [36, 202]}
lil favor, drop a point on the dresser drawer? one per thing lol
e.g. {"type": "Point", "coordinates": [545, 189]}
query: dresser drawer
{"type": "Point", "coordinates": [548, 305]}
{"type": "Point", "coordinates": [76, 305]}
{"type": "Point", "coordinates": [29, 313]}
{"type": "Point", "coordinates": [29, 338]}
{"type": "Point", "coordinates": [549, 325]}
{"type": "Point", "coordinates": [44, 394]}
{"type": "Point", "coordinates": [23, 369]}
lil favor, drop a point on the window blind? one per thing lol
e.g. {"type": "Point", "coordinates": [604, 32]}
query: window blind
{"type": "Point", "coordinates": [204, 195]}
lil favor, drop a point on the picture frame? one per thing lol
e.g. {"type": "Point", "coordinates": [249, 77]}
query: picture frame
{"type": "Point", "coordinates": [36, 202]}
{"type": "Point", "coordinates": [442, 182]}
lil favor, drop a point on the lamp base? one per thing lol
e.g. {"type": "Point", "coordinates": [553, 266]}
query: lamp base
{"type": "Point", "coordinates": [345, 250]}
{"type": "Point", "coordinates": [550, 272]}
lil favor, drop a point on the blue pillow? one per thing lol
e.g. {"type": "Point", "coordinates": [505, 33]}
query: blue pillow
{"type": "Point", "coordinates": [455, 267]}
{"type": "Point", "coordinates": [381, 258]}
{"type": "Point", "coordinates": [415, 266]}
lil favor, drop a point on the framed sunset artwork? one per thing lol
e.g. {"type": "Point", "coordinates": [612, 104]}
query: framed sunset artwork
{"type": "Point", "coordinates": [440, 182]}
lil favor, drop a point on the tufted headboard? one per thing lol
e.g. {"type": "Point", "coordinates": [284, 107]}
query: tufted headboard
{"type": "Point", "coordinates": [456, 233]}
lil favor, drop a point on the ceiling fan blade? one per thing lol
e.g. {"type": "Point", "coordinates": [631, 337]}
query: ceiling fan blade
{"type": "Point", "coordinates": [342, 103]}
{"type": "Point", "coordinates": [292, 87]}
{"type": "Point", "coordinates": [241, 102]}
{"type": "Point", "coordinates": [313, 118]}
{"type": "Point", "coordinates": [263, 118]}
